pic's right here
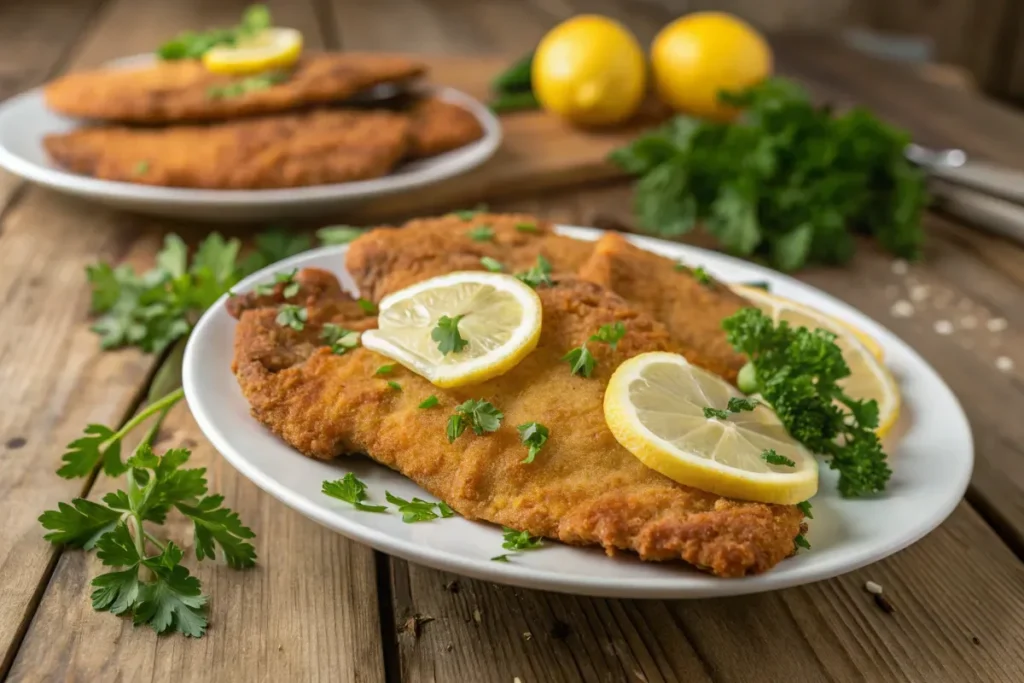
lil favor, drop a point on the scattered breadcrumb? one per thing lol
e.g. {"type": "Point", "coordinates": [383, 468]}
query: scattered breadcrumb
{"type": "Point", "coordinates": [943, 327]}
{"type": "Point", "coordinates": [899, 267]}
{"type": "Point", "coordinates": [1004, 364]}
{"type": "Point", "coordinates": [527, 635]}
{"type": "Point", "coordinates": [968, 322]}
{"type": "Point", "coordinates": [902, 309]}
{"type": "Point", "coordinates": [996, 324]}
{"type": "Point", "coordinates": [919, 292]}
{"type": "Point", "coordinates": [873, 588]}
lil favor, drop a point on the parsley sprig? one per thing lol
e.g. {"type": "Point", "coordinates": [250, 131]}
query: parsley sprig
{"type": "Point", "coordinates": [290, 289]}
{"type": "Point", "coordinates": [447, 336]}
{"type": "Point", "coordinates": [533, 435]}
{"type": "Point", "coordinates": [154, 588]}
{"type": "Point", "coordinates": [798, 371]}
{"type": "Point", "coordinates": [517, 541]}
{"type": "Point", "coordinates": [481, 416]}
{"type": "Point", "coordinates": [746, 183]}
{"type": "Point", "coordinates": [352, 490]}
{"type": "Point", "coordinates": [539, 274]}
{"type": "Point", "coordinates": [418, 510]}
{"type": "Point", "coordinates": [193, 45]}
{"type": "Point", "coordinates": [581, 361]}
{"type": "Point", "coordinates": [339, 339]}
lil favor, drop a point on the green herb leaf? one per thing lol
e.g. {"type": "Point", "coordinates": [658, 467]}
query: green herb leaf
{"type": "Point", "coordinates": [116, 548]}
{"type": "Point", "coordinates": [739, 405]}
{"type": "Point", "coordinates": [773, 458]}
{"type": "Point", "coordinates": [384, 369]}
{"type": "Point", "coordinates": [701, 276]}
{"type": "Point", "coordinates": [367, 306]}
{"type": "Point", "coordinates": [798, 372]}
{"type": "Point", "coordinates": [116, 592]}
{"type": "Point", "coordinates": [500, 558]}
{"type": "Point", "coordinates": [80, 524]}
{"type": "Point", "coordinates": [527, 227]}
{"type": "Point", "coordinates": [520, 540]}
{"type": "Point", "coordinates": [581, 361]}
{"type": "Point", "coordinates": [219, 526]}
{"type": "Point", "coordinates": [539, 275]}
{"type": "Point", "coordinates": [467, 214]}
{"type": "Point", "coordinates": [801, 542]}
{"type": "Point", "coordinates": [429, 402]}
{"type": "Point", "coordinates": [85, 453]}
{"type": "Point", "coordinates": [533, 435]}
{"type": "Point", "coordinates": [417, 510]}
{"type": "Point", "coordinates": [479, 415]}
{"type": "Point", "coordinates": [174, 600]}
{"type": "Point", "coordinates": [351, 490]}
{"type": "Point", "coordinates": [805, 507]}
{"type": "Point", "coordinates": [481, 233]}
{"type": "Point", "coordinates": [715, 413]}
{"type": "Point", "coordinates": [610, 334]}
{"type": "Point", "coordinates": [491, 264]}
{"type": "Point", "coordinates": [394, 385]}
{"type": "Point", "coordinates": [339, 234]}
{"type": "Point", "coordinates": [290, 289]}
{"type": "Point", "coordinates": [447, 336]}
{"type": "Point", "coordinates": [290, 315]}
{"type": "Point", "coordinates": [339, 339]}
{"type": "Point", "coordinates": [445, 511]}
{"type": "Point", "coordinates": [246, 85]}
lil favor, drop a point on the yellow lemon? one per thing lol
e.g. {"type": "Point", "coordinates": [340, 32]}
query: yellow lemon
{"type": "Point", "coordinates": [272, 48]}
{"type": "Point", "coordinates": [497, 319]}
{"type": "Point", "coordinates": [699, 55]}
{"type": "Point", "coordinates": [590, 70]}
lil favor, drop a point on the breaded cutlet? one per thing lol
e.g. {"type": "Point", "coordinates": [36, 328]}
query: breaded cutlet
{"type": "Point", "coordinates": [179, 91]}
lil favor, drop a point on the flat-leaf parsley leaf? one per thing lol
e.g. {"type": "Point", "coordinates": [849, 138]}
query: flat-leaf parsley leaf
{"type": "Point", "coordinates": [447, 336]}
{"type": "Point", "coordinates": [351, 490]}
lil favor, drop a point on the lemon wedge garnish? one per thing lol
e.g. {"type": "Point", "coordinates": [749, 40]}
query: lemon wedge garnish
{"type": "Point", "coordinates": [869, 378]}
{"type": "Point", "coordinates": [499, 317]}
{"type": "Point", "coordinates": [272, 48]}
{"type": "Point", "coordinates": [654, 405]}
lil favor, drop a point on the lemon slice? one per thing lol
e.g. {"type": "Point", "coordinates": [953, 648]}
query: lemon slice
{"type": "Point", "coordinates": [272, 48]}
{"type": "Point", "coordinates": [500, 320]}
{"type": "Point", "coordinates": [799, 315]}
{"type": "Point", "coordinates": [869, 378]}
{"type": "Point", "coordinates": [654, 405]}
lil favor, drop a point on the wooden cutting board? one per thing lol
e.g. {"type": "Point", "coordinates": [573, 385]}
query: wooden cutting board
{"type": "Point", "coordinates": [538, 153]}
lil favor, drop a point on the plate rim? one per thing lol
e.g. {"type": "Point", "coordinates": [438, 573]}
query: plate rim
{"type": "Point", "coordinates": [441, 167]}
{"type": "Point", "coordinates": [543, 579]}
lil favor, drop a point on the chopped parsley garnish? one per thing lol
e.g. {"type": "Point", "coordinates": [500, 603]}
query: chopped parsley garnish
{"type": "Point", "coordinates": [384, 369]}
{"type": "Point", "coordinates": [339, 234]}
{"type": "Point", "coordinates": [367, 306]}
{"type": "Point", "coordinates": [805, 507]}
{"type": "Point", "coordinates": [291, 287]}
{"type": "Point", "coordinates": [480, 416]}
{"type": "Point", "coordinates": [290, 315]}
{"type": "Point", "coordinates": [539, 275]}
{"type": "Point", "coordinates": [738, 405]}
{"type": "Point", "coordinates": [468, 214]}
{"type": "Point", "coordinates": [716, 413]}
{"type": "Point", "coordinates": [447, 336]}
{"type": "Point", "coordinates": [193, 45]}
{"type": "Point", "coordinates": [500, 558]}
{"type": "Point", "coordinates": [244, 86]}
{"type": "Point", "coordinates": [773, 458]}
{"type": "Point", "coordinates": [394, 385]}
{"type": "Point", "coordinates": [520, 540]}
{"type": "Point", "coordinates": [429, 402]}
{"type": "Point", "coordinates": [481, 233]}
{"type": "Point", "coordinates": [581, 361]}
{"type": "Point", "coordinates": [339, 339]}
{"type": "Point", "coordinates": [533, 435]}
{"type": "Point", "coordinates": [141, 168]}
{"type": "Point", "coordinates": [701, 276]}
{"type": "Point", "coordinates": [493, 265]}
{"type": "Point", "coordinates": [610, 334]}
{"type": "Point", "coordinates": [418, 510]}
{"type": "Point", "coordinates": [801, 542]}
{"type": "Point", "coordinates": [797, 371]}
{"type": "Point", "coordinates": [527, 227]}
{"type": "Point", "coordinates": [351, 490]}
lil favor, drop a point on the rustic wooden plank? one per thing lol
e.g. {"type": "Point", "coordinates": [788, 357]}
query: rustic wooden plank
{"type": "Point", "coordinates": [957, 594]}
{"type": "Point", "coordinates": [307, 612]}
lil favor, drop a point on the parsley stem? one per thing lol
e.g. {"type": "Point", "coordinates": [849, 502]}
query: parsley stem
{"type": "Point", "coordinates": [155, 541]}
{"type": "Point", "coordinates": [138, 533]}
{"type": "Point", "coordinates": [164, 404]}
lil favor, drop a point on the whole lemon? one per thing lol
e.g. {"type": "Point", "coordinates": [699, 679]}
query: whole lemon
{"type": "Point", "coordinates": [699, 55]}
{"type": "Point", "coordinates": [590, 70]}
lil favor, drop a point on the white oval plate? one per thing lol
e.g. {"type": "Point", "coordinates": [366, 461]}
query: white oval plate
{"type": "Point", "coordinates": [932, 458]}
{"type": "Point", "coordinates": [25, 120]}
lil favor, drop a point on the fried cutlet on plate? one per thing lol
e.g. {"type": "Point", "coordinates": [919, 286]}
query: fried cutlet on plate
{"type": "Point", "coordinates": [439, 126]}
{"type": "Point", "coordinates": [176, 91]}
{"type": "Point", "coordinates": [287, 150]}
{"type": "Point", "coordinates": [692, 311]}
{"type": "Point", "coordinates": [583, 488]}
{"type": "Point", "coordinates": [386, 260]}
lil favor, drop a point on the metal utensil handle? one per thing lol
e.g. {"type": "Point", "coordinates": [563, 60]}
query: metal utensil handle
{"type": "Point", "coordinates": [997, 181]}
{"type": "Point", "coordinates": [990, 213]}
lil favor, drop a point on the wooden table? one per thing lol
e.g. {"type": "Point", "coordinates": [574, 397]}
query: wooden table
{"type": "Point", "coordinates": [319, 607]}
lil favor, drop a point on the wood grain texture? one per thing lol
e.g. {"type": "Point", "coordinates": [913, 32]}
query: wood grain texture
{"type": "Point", "coordinates": [957, 594]}
{"type": "Point", "coordinates": [307, 612]}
